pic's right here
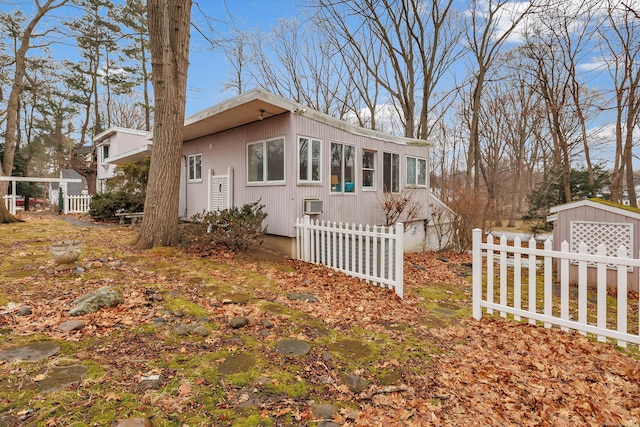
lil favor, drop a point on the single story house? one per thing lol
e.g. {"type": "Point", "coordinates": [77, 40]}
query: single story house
{"type": "Point", "coordinates": [118, 145]}
{"type": "Point", "coordinates": [296, 161]}
{"type": "Point", "coordinates": [596, 222]}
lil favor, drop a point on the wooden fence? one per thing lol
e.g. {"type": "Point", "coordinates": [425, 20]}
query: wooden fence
{"type": "Point", "coordinates": [372, 253]}
{"type": "Point", "coordinates": [557, 303]}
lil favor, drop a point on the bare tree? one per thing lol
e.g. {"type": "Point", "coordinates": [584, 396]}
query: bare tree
{"type": "Point", "coordinates": [622, 47]}
{"type": "Point", "coordinates": [26, 37]}
{"type": "Point", "coordinates": [169, 25]}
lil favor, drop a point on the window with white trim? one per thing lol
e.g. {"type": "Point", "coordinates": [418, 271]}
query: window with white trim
{"type": "Point", "coordinates": [368, 170]}
{"type": "Point", "coordinates": [104, 153]}
{"type": "Point", "coordinates": [343, 168]}
{"type": "Point", "coordinates": [391, 172]}
{"type": "Point", "coordinates": [265, 161]}
{"type": "Point", "coordinates": [416, 172]}
{"type": "Point", "coordinates": [309, 160]}
{"type": "Point", "coordinates": [195, 167]}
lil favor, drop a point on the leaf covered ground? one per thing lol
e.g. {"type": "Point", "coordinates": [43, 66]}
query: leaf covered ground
{"type": "Point", "coordinates": [422, 360]}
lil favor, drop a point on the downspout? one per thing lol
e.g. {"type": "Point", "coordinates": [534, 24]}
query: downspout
{"type": "Point", "coordinates": [186, 171]}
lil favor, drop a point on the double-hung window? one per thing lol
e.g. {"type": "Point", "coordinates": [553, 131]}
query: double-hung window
{"type": "Point", "coordinates": [195, 167]}
{"type": "Point", "coordinates": [309, 166]}
{"type": "Point", "coordinates": [265, 161]}
{"type": "Point", "coordinates": [343, 168]}
{"type": "Point", "coordinates": [368, 170]}
{"type": "Point", "coordinates": [391, 172]}
{"type": "Point", "coordinates": [416, 171]}
{"type": "Point", "coordinates": [104, 153]}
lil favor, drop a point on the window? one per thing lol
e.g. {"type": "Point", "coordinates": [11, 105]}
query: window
{"type": "Point", "coordinates": [391, 172]}
{"type": "Point", "coordinates": [195, 167]}
{"type": "Point", "coordinates": [104, 153]}
{"type": "Point", "coordinates": [343, 171]}
{"type": "Point", "coordinates": [368, 170]}
{"type": "Point", "coordinates": [265, 161]}
{"type": "Point", "coordinates": [416, 171]}
{"type": "Point", "coordinates": [309, 160]}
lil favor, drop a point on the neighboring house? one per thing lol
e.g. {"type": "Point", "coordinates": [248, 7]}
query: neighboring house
{"type": "Point", "coordinates": [596, 222]}
{"type": "Point", "coordinates": [297, 161]}
{"type": "Point", "coordinates": [73, 188]}
{"type": "Point", "coordinates": [119, 145]}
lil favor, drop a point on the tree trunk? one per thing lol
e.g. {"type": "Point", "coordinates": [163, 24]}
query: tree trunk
{"type": "Point", "coordinates": [169, 25]}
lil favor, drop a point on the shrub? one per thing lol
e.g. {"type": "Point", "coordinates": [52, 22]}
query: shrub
{"type": "Point", "coordinates": [104, 206]}
{"type": "Point", "coordinates": [236, 228]}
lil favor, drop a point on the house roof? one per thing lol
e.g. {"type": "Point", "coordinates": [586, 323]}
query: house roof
{"type": "Point", "coordinates": [115, 129]}
{"type": "Point", "coordinates": [257, 104]}
{"type": "Point", "coordinates": [598, 204]}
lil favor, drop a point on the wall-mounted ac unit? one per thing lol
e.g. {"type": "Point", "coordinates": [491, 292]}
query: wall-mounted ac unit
{"type": "Point", "coordinates": [313, 206]}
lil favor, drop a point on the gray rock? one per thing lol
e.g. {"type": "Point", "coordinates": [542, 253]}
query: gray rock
{"type": "Point", "coordinates": [355, 383]}
{"type": "Point", "coordinates": [60, 377]}
{"type": "Point", "coordinates": [301, 296]}
{"type": "Point", "coordinates": [239, 322]}
{"type": "Point", "coordinates": [71, 325]}
{"type": "Point", "coordinates": [103, 297]}
{"type": "Point", "coordinates": [266, 323]}
{"type": "Point", "coordinates": [200, 331]}
{"type": "Point", "coordinates": [323, 411]}
{"type": "Point", "coordinates": [25, 311]}
{"type": "Point", "coordinates": [181, 330]}
{"type": "Point", "coordinates": [79, 270]}
{"type": "Point", "coordinates": [31, 352]}
{"type": "Point", "coordinates": [293, 348]}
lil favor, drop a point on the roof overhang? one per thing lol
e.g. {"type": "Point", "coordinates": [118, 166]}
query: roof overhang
{"type": "Point", "coordinates": [256, 105]}
{"type": "Point", "coordinates": [108, 133]}
{"type": "Point", "coordinates": [131, 156]}
{"type": "Point", "coordinates": [602, 205]}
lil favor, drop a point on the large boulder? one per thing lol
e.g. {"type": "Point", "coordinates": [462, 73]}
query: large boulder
{"type": "Point", "coordinates": [103, 297]}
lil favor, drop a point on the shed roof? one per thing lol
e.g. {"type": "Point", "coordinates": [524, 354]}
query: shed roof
{"type": "Point", "coordinates": [596, 203]}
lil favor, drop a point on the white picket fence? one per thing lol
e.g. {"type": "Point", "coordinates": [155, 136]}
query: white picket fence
{"type": "Point", "coordinates": [510, 262]}
{"type": "Point", "coordinates": [73, 204]}
{"type": "Point", "coordinates": [372, 253]}
{"type": "Point", "coordinates": [78, 204]}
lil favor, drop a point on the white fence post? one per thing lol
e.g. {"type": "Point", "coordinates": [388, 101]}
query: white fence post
{"type": "Point", "coordinates": [476, 252]}
{"type": "Point", "coordinates": [306, 241]}
{"type": "Point", "coordinates": [399, 261]}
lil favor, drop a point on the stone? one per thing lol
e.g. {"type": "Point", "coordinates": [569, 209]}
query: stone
{"type": "Point", "coordinates": [181, 330]}
{"type": "Point", "coordinates": [239, 322]}
{"type": "Point", "coordinates": [323, 411]}
{"type": "Point", "coordinates": [201, 331]}
{"type": "Point", "coordinates": [79, 270]}
{"type": "Point", "coordinates": [355, 383]}
{"type": "Point", "coordinates": [236, 363]}
{"type": "Point", "coordinates": [25, 311]}
{"type": "Point", "coordinates": [66, 251]}
{"type": "Point", "coordinates": [301, 296]}
{"type": "Point", "coordinates": [103, 297]}
{"type": "Point", "coordinates": [419, 267]}
{"type": "Point", "coordinates": [293, 348]}
{"type": "Point", "coordinates": [71, 325]}
{"type": "Point", "coordinates": [31, 352]}
{"type": "Point", "coordinates": [60, 377]}
{"type": "Point", "coordinates": [151, 382]}
{"type": "Point", "coordinates": [443, 259]}
{"type": "Point", "coordinates": [326, 356]}
{"type": "Point", "coordinates": [134, 422]}
{"type": "Point", "coordinates": [266, 323]}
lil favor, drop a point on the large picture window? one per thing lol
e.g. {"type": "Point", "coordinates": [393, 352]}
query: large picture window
{"type": "Point", "coordinates": [391, 172]}
{"type": "Point", "coordinates": [416, 172]}
{"type": "Point", "coordinates": [265, 161]}
{"type": "Point", "coordinates": [195, 167]}
{"type": "Point", "coordinates": [309, 166]}
{"type": "Point", "coordinates": [368, 170]}
{"type": "Point", "coordinates": [343, 171]}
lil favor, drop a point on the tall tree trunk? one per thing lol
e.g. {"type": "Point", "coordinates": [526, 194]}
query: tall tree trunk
{"type": "Point", "coordinates": [169, 25]}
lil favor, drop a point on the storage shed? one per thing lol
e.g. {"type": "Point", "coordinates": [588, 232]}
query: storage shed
{"type": "Point", "coordinates": [596, 222]}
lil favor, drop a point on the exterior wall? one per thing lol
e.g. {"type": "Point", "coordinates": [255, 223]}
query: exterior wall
{"type": "Point", "coordinates": [284, 203]}
{"type": "Point", "coordinates": [119, 142]}
{"type": "Point", "coordinates": [591, 213]}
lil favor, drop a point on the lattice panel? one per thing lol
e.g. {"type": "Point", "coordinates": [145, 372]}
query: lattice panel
{"type": "Point", "coordinates": [612, 235]}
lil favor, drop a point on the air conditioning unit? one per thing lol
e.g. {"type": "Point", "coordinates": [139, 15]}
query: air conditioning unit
{"type": "Point", "coordinates": [313, 206]}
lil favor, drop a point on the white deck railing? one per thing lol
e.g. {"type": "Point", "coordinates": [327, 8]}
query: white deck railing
{"type": "Point", "coordinates": [577, 312]}
{"type": "Point", "coordinates": [10, 203]}
{"type": "Point", "coordinates": [372, 253]}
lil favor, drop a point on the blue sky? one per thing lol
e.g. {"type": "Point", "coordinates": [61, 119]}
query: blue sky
{"type": "Point", "coordinates": [208, 70]}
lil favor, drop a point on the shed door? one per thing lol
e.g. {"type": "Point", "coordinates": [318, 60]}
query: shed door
{"type": "Point", "coordinates": [219, 197]}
